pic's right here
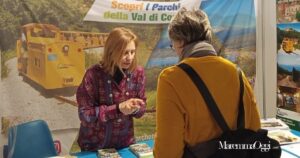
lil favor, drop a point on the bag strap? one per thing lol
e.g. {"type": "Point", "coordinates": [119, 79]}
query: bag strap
{"type": "Point", "coordinates": [210, 102]}
{"type": "Point", "coordinates": [241, 114]}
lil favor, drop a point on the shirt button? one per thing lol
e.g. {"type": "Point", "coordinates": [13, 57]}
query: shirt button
{"type": "Point", "coordinates": [110, 95]}
{"type": "Point", "coordinates": [119, 120]}
{"type": "Point", "coordinates": [127, 93]}
{"type": "Point", "coordinates": [108, 81]}
{"type": "Point", "coordinates": [128, 79]}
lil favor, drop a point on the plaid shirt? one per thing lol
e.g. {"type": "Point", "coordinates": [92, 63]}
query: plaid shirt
{"type": "Point", "coordinates": [102, 124]}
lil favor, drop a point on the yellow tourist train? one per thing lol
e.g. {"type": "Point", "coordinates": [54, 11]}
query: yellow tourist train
{"type": "Point", "coordinates": [288, 44]}
{"type": "Point", "coordinates": [53, 58]}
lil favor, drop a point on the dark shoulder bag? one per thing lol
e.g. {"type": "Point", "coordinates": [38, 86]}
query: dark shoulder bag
{"type": "Point", "coordinates": [239, 143]}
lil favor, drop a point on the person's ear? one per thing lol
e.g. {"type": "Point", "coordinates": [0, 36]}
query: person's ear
{"type": "Point", "coordinates": [181, 43]}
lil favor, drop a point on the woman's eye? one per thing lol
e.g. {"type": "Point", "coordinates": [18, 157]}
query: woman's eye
{"type": "Point", "coordinates": [129, 52]}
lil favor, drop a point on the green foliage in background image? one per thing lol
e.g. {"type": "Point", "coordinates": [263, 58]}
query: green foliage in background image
{"type": "Point", "coordinates": [280, 36]}
{"type": "Point", "coordinates": [67, 15]}
{"type": "Point", "coordinates": [5, 56]}
{"type": "Point", "coordinates": [151, 99]}
{"type": "Point", "coordinates": [143, 53]}
{"type": "Point", "coordinates": [8, 29]}
{"type": "Point", "coordinates": [152, 77]}
{"type": "Point", "coordinates": [149, 33]}
{"type": "Point", "coordinates": [297, 46]}
{"type": "Point", "coordinates": [92, 57]}
{"type": "Point", "coordinates": [64, 14]}
{"type": "Point", "coordinates": [218, 46]}
{"type": "Point", "coordinates": [247, 61]}
{"type": "Point", "coordinates": [292, 33]}
{"type": "Point", "coordinates": [145, 125]}
{"type": "Point", "coordinates": [5, 124]}
{"type": "Point", "coordinates": [298, 16]}
{"type": "Point", "coordinates": [289, 34]}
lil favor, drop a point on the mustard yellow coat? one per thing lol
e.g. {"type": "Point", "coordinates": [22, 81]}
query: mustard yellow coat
{"type": "Point", "coordinates": [182, 115]}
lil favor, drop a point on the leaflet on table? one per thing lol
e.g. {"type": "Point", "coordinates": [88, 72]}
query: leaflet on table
{"type": "Point", "coordinates": [273, 124]}
{"type": "Point", "coordinates": [142, 150]}
{"type": "Point", "coordinates": [284, 136]}
{"type": "Point", "coordinates": [108, 153]}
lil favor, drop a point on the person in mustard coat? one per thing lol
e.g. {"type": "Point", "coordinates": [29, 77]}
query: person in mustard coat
{"type": "Point", "coordinates": [182, 116]}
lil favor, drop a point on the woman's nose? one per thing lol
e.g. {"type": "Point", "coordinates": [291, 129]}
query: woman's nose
{"type": "Point", "coordinates": [130, 56]}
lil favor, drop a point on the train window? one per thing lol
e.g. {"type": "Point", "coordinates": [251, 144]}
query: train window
{"type": "Point", "coordinates": [46, 33]}
{"type": "Point", "coordinates": [49, 33]}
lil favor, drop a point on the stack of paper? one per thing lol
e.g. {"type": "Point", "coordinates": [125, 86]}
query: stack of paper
{"type": "Point", "coordinates": [284, 136]}
{"type": "Point", "coordinates": [273, 124]}
{"type": "Point", "coordinates": [141, 150]}
{"type": "Point", "coordinates": [108, 153]}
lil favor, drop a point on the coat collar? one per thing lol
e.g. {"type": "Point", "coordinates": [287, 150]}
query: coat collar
{"type": "Point", "coordinates": [197, 49]}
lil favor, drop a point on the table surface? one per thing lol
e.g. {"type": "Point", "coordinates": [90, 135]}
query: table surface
{"type": "Point", "coordinates": [126, 153]}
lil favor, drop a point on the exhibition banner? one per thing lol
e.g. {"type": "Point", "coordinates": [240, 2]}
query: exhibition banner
{"type": "Point", "coordinates": [47, 45]}
{"type": "Point", "coordinates": [126, 11]}
{"type": "Point", "coordinates": [288, 66]}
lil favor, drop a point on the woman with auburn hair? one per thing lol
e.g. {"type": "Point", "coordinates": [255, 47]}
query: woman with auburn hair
{"type": "Point", "coordinates": [111, 94]}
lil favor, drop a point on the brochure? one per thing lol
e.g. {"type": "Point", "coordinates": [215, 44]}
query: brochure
{"type": "Point", "coordinates": [141, 150]}
{"type": "Point", "coordinates": [108, 153]}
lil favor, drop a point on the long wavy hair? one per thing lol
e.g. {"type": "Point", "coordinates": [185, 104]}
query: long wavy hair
{"type": "Point", "coordinates": [114, 48]}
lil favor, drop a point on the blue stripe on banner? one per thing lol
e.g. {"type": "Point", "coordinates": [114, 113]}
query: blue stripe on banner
{"type": "Point", "coordinates": [52, 57]}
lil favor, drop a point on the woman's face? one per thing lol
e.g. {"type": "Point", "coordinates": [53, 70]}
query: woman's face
{"type": "Point", "coordinates": [178, 47]}
{"type": "Point", "coordinates": [128, 56]}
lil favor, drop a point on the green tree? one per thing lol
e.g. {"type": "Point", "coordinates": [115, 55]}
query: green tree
{"type": "Point", "coordinates": [298, 16]}
{"type": "Point", "coordinates": [8, 30]}
{"type": "Point", "coordinates": [247, 62]}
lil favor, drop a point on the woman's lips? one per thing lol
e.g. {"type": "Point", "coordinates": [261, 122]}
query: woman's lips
{"type": "Point", "coordinates": [127, 64]}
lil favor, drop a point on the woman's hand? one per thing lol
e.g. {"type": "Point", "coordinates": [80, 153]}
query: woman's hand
{"type": "Point", "coordinates": [131, 105]}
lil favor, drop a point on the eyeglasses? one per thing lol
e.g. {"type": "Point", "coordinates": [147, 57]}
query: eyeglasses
{"type": "Point", "coordinates": [172, 47]}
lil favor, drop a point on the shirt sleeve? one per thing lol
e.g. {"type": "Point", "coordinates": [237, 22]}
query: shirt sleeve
{"type": "Point", "coordinates": [87, 102]}
{"type": "Point", "coordinates": [169, 138]}
{"type": "Point", "coordinates": [141, 93]}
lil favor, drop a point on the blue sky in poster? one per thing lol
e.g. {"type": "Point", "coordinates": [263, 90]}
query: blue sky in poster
{"type": "Point", "coordinates": [230, 7]}
{"type": "Point", "coordinates": [295, 26]}
{"type": "Point", "coordinates": [231, 20]}
{"type": "Point", "coordinates": [225, 13]}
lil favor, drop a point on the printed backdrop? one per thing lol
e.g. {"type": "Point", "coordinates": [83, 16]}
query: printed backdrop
{"type": "Point", "coordinates": [288, 65]}
{"type": "Point", "coordinates": [46, 45]}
